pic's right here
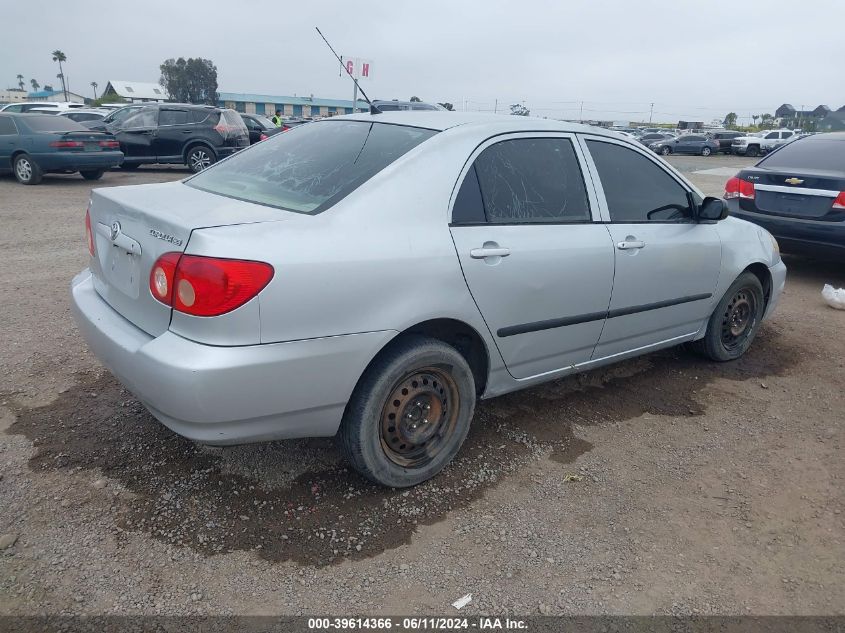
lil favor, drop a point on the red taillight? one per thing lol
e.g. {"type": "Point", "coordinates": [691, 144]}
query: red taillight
{"type": "Point", "coordinates": [67, 144]}
{"type": "Point", "coordinates": [285, 128]}
{"type": "Point", "coordinates": [207, 286]}
{"type": "Point", "coordinates": [263, 137]}
{"type": "Point", "coordinates": [839, 203]}
{"type": "Point", "coordinates": [109, 144]}
{"type": "Point", "coordinates": [89, 234]}
{"type": "Point", "coordinates": [739, 188]}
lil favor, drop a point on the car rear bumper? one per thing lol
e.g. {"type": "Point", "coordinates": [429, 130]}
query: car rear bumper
{"type": "Point", "coordinates": [75, 161]}
{"type": "Point", "coordinates": [227, 395]}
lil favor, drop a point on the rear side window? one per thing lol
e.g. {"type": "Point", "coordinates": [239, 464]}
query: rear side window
{"type": "Point", "coordinates": [173, 117]}
{"type": "Point", "coordinates": [469, 207]}
{"type": "Point", "coordinates": [311, 167]}
{"type": "Point", "coordinates": [7, 126]}
{"type": "Point", "coordinates": [532, 180]}
{"type": "Point", "coordinates": [808, 153]}
{"type": "Point", "coordinates": [636, 189]}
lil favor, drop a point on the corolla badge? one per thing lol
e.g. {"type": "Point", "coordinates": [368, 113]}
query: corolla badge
{"type": "Point", "coordinates": [115, 230]}
{"type": "Point", "coordinates": [793, 181]}
{"type": "Point", "coordinates": [164, 236]}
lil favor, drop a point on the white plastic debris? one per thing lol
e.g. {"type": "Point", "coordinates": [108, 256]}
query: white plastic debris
{"type": "Point", "coordinates": [835, 297]}
{"type": "Point", "coordinates": [460, 603]}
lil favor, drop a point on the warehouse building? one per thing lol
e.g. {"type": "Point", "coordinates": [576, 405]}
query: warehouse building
{"type": "Point", "coordinates": [289, 106]}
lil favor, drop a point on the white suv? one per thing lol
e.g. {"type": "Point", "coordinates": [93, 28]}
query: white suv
{"type": "Point", "coordinates": [42, 107]}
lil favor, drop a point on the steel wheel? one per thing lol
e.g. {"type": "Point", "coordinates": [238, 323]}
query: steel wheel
{"type": "Point", "coordinates": [23, 169]}
{"type": "Point", "coordinates": [738, 319]}
{"type": "Point", "coordinates": [665, 151]}
{"type": "Point", "coordinates": [419, 417]}
{"type": "Point", "coordinates": [199, 159]}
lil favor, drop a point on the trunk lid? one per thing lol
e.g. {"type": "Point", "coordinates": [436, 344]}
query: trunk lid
{"type": "Point", "coordinates": [133, 226]}
{"type": "Point", "coordinates": [795, 193]}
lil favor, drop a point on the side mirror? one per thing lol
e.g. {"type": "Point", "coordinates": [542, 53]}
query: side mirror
{"type": "Point", "coordinates": [713, 209]}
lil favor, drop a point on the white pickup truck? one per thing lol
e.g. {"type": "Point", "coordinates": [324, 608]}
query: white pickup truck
{"type": "Point", "coordinates": [760, 142]}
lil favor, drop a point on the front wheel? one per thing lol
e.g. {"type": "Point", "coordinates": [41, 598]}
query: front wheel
{"type": "Point", "coordinates": [410, 412]}
{"type": "Point", "coordinates": [706, 151]}
{"type": "Point", "coordinates": [199, 158]}
{"type": "Point", "coordinates": [735, 321]}
{"type": "Point", "coordinates": [92, 174]}
{"type": "Point", "coordinates": [27, 170]}
{"type": "Point", "coordinates": [752, 151]}
{"type": "Point", "coordinates": [665, 151]}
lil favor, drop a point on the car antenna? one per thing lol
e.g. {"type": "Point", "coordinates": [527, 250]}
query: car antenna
{"type": "Point", "coordinates": [373, 109]}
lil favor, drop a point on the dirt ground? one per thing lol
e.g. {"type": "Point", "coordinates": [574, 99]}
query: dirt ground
{"type": "Point", "coordinates": [663, 485]}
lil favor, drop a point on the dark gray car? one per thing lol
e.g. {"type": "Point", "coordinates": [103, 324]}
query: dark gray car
{"type": "Point", "coordinates": [688, 144]}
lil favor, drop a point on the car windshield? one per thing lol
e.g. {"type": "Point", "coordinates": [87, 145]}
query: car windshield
{"type": "Point", "coordinates": [310, 168]}
{"type": "Point", "coordinates": [50, 123]}
{"type": "Point", "coordinates": [264, 121]}
{"type": "Point", "coordinates": [826, 154]}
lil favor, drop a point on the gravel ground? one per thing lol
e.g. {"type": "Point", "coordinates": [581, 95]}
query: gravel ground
{"type": "Point", "coordinates": [664, 485]}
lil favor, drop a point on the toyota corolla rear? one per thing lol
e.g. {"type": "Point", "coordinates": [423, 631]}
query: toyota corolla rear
{"type": "Point", "coordinates": [171, 301]}
{"type": "Point", "coordinates": [797, 193]}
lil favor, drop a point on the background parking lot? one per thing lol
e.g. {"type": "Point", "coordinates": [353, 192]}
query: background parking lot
{"type": "Point", "coordinates": [665, 484]}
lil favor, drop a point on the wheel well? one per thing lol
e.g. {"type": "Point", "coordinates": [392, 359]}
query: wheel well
{"type": "Point", "coordinates": [194, 144]}
{"type": "Point", "coordinates": [464, 339]}
{"type": "Point", "coordinates": [761, 271]}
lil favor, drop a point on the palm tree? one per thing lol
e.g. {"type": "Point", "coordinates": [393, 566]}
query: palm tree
{"type": "Point", "coordinates": [20, 82]}
{"type": "Point", "coordinates": [94, 86]}
{"type": "Point", "coordinates": [754, 118]}
{"type": "Point", "coordinates": [59, 56]}
{"type": "Point", "coordinates": [35, 85]}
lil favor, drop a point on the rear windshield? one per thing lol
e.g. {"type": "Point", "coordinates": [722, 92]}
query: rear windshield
{"type": "Point", "coordinates": [50, 123]}
{"type": "Point", "coordinates": [311, 167]}
{"type": "Point", "coordinates": [810, 153]}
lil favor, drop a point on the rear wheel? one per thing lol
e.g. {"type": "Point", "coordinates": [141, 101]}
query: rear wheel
{"type": "Point", "coordinates": [665, 150]}
{"type": "Point", "coordinates": [706, 151]}
{"type": "Point", "coordinates": [752, 151]}
{"type": "Point", "coordinates": [410, 413]}
{"type": "Point", "coordinates": [27, 170]}
{"type": "Point", "coordinates": [92, 174]}
{"type": "Point", "coordinates": [735, 321]}
{"type": "Point", "coordinates": [200, 157]}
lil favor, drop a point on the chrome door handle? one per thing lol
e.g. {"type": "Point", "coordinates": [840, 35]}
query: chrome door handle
{"type": "Point", "coordinates": [481, 253]}
{"type": "Point", "coordinates": [630, 244]}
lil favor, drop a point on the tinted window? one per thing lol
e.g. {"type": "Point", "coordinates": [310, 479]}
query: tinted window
{"type": "Point", "coordinates": [120, 115]}
{"type": "Point", "coordinates": [771, 135]}
{"type": "Point", "coordinates": [7, 126]}
{"type": "Point", "coordinates": [808, 153]}
{"type": "Point", "coordinates": [469, 208]}
{"type": "Point", "coordinates": [532, 180]}
{"type": "Point", "coordinates": [83, 116]}
{"type": "Point", "coordinates": [636, 189]}
{"type": "Point", "coordinates": [173, 117]}
{"type": "Point", "coordinates": [13, 108]}
{"type": "Point", "coordinates": [50, 123]}
{"type": "Point", "coordinates": [142, 118]}
{"type": "Point", "coordinates": [294, 171]}
{"type": "Point", "coordinates": [692, 139]}
{"type": "Point", "coordinates": [786, 134]}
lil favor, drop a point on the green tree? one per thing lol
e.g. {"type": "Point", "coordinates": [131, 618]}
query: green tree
{"type": "Point", "coordinates": [59, 56]}
{"type": "Point", "coordinates": [730, 119]}
{"type": "Point", "coordinates": [94, 86]}
{"type": "Point", "coordinates": [112, 97]}
{"type": "Point", "coordinates": [766, 121]}
{"type": "Point", "coordinates": [519, 109]}
{"type": "Point", "coordinates": [48, 87]}
{"type": "Point", "coordinates": [754, 118]}
{"type": "Point", "coordinates": [35, 85]}
{"type": "Point", "coordinates": [190, 80]}
{"type": "Point", "coordinates": [415, 100]}
{"type": "Point", "coordinates": [21, 84]}
{"type": "Point", "coordinates": [447, 105]}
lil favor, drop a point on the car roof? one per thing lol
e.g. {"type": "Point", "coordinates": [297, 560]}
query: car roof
{"type": "Point", "coordinates": [444, 120]}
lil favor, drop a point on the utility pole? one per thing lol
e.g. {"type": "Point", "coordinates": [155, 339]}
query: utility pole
{"type": "Point", "coordinates": [581, 113]}
{"type": "Point", "coordinates": [650, 113]}
{"type": "Point", "coordinates": [496, 107]}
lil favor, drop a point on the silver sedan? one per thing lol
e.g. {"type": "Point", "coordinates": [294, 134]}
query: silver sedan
{"type": "Point", "coordinates": [372, 276]}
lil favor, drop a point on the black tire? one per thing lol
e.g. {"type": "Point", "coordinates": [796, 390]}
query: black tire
{"type": "Point", "coordinates": [706, 151]}
{"type": "Point", "coordinates": [130, 166]}
{"type": "Point", "coordinates": [92, 174]}
{"type": "Point", "coordinates": [665, 150]}
{"type": "Point", "coordinates": [26, 170]}
{"type": "Point", "coordinates": [735, 321]}
{"type": "Point", "coordinates": [200, 157]}
{"type": "Point", "coordinates": [752, 151]}
{"type": "Point", "coordinates": [385, 434]}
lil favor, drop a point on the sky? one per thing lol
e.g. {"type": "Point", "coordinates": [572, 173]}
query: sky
{"type": "Point", "coordinates": [590, 59]}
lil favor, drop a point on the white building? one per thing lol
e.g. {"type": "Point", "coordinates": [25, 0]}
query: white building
{"type": "Point", "coordinates": [12, 96]}
{"type": "Point", "coordinates": [135, 91]}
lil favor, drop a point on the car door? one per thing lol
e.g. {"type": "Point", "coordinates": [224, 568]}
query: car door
{"type": "Point", "coordinates": [537, 262]}
{"type": "Point", "coordinates": [174, 127]}
{"type": "Point", "coordinates": [667, 264]}
{"type": "Point", "coordinates": [137, 133]}
{"type": "Point", "coordinates": [8, 141]}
